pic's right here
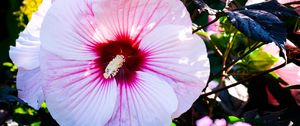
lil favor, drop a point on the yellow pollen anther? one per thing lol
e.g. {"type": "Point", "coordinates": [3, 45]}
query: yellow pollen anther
{"type": "Point", "coordinates": [113, 66]}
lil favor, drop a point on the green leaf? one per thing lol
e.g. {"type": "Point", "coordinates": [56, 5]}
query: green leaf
{"type": "Point", "coordinates": [31, 111]}
{"type": "Point", "coordinates": [258, 60]}
{"type": "Point", "coordinates": [36, 123]}
{"type": "Point", "coordinates": [8, 64]}
{"type": "Point", "coordinates": [233, 119]}
{"type": "Point", "coordinates": [24, 110]}
{"type": "Point", "coordinates": [20, 110]}
{"type": "Point", "coordinates": [173, 124]}
{"type": "Point", "coordinates": [43, 105]}
{"type": "Point", "coordinates": [11, 65]}
{"type": "Point", "coordinates": [13, 68]}
{"type": "Point", "coordinates": [220, 40]}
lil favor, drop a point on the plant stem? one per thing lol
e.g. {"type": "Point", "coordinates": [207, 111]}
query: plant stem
{"type": "Point", "coordinates": [228, 67]}
{"type": "Point", "coordinates": [241, 74]}
{"type": "Point", "coordinates": [218, 15]}
{"type": "Point", "coordinates": [204, 26]}
{"type": "Point", "coordinates": [242, 81]}
{"type": "Point", "coordinates": [225, 57]}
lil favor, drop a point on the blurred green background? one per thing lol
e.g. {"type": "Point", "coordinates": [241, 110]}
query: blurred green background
{"type": "Point", "coordinates": [9, 29]}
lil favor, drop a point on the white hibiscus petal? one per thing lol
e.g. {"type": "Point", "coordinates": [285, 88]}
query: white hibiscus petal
{"type": "Point", "coordinates": [181, 59]}
{"type": "Point", "coordinates": [26, 52]}
{"type": "Point", "coordinates": [148, 102]}
{"type": "Point", "coordinates": [76, 95]}
{"type": "Point", "coordinates": [26, 57]}
{"type": "Point", "coordinates": [29, 87]}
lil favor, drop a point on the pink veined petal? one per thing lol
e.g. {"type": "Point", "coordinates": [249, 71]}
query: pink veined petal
{"type": "Point", "coordinates": [136, 18]}
{"type": "Point", "coordinates": [26, 52]}
{"type": "Point", "coordinates": [74, 33]}
{"type": "Point", "coordinates": [29, 87]}
{"type": "Point", "coordinates": [148, 102]}
{"type": "Point", "coordinates": [75, 95]}
{"type": "Point", "coordinates": [70, 31]}
{"type": "Point", "coordinates": [180, 58]}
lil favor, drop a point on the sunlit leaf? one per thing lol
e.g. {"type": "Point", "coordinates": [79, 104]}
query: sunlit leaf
{"type": "Point", "coordinates": [36, 123]}
{"type": "Point", "coordinates": [43, 105]}
{"type": "Point", "coordinates": [20, 110]}
{"type": "Point", "coordinates": [258, 60]}
{"type": "Point", "coordinates": [24, 110]}
{"type": "Point", "coordinates": [233, 119]}
{"type": "Point", "coordinates": [7, 64]}
{"type": "Point", "coordinates": [173, 124]}
{"type": "Point", "coordinates": [31, 111]}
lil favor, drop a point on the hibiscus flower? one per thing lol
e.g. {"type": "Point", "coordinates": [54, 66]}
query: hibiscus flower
{"type": "Point", "coordinates": [103, 62]}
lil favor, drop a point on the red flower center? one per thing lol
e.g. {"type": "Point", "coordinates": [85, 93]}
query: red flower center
{"type": "Point", "coordinates": [132, 59]}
